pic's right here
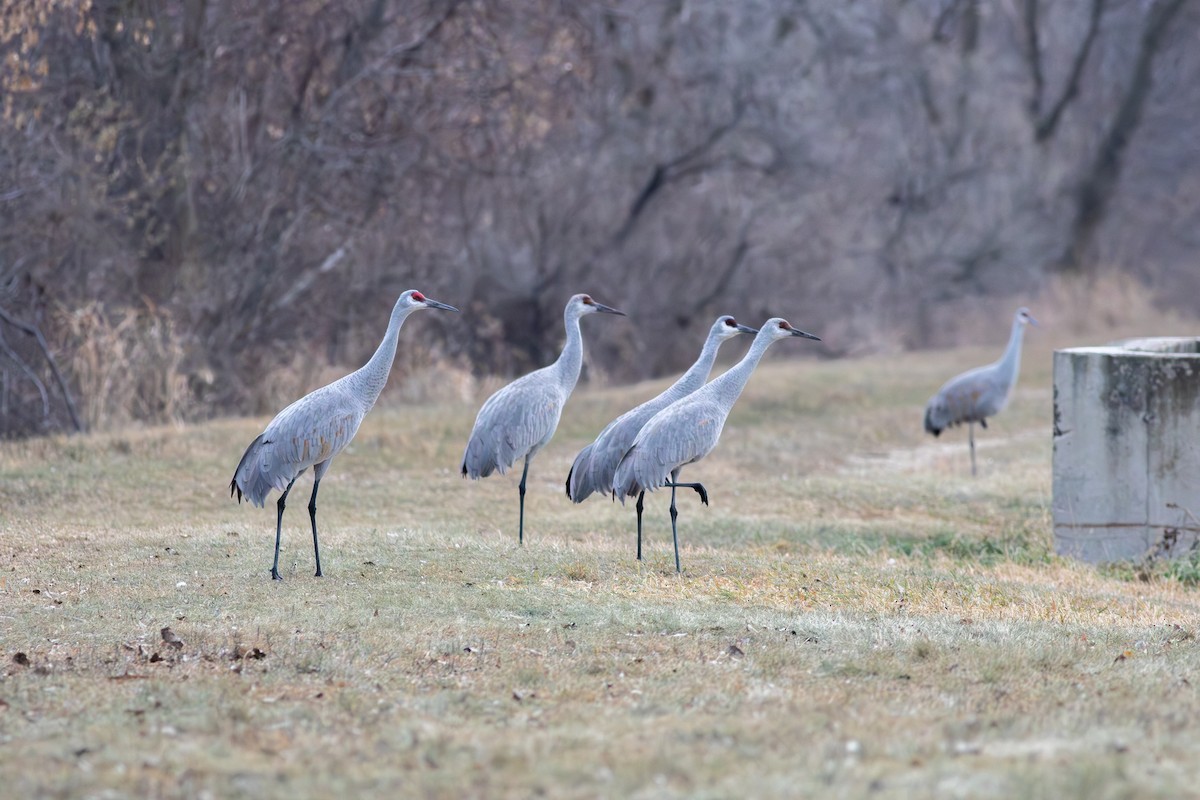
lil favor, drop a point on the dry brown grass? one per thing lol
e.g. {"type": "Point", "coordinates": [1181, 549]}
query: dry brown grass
{"type": "Point", "coordinates": [127, 365]}
{"type": "Point", "coordinates": [857, 616]}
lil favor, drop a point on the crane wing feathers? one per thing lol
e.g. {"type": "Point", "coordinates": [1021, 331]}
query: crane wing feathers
{"type": "Point", "coordinates": [595, 472]}
{"type": "Point", "coordinates": [579, 478]}
{"type": "Point", "coordinates": [969, 397]}
{"type": "Point", "coordinates": [516, 420]}
{"type": "Point", "coordinates": [679, 434]}
{"type": "Point", "coordinates": [308, 432]}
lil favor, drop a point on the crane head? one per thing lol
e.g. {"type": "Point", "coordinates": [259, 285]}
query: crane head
{"type": "Point", "coordinates": [779, 328]}
{"type": "Point", "coordinates": [1024, 317]}
{"type": "Point", "coordinates": [414, 300]}
{"type": "Point", "coordinates": [727, 327]}
{"type": "Point", "coordinates": [589, 306]}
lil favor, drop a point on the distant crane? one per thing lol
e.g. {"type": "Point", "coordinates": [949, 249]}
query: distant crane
{"type": "Point", "coordinates": [979, 393]}
{"type": "Point", "coordinates": [596, 464]}
{"type": "Point", "coordinates": [521, 418]}
{"type": "Point", "coordinates": [688, 429]}
{"type": "Point", "coordinates": [318, 426]}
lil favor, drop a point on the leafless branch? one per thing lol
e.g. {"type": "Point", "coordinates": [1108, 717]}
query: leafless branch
{"type": "Point", "coordinates": [1098, 185]}
{"type": "Point", "coordinates": [1033, 52]}
{"type": "Point", "coordinates": [664, 173]}
{"type": "Point", "coordinates": [1044, 126]}
{"type": "Point", "coordinates": [29, 373]}
{"type": "Point", "coordinates": [36, 333]}
{"type": "Point", "coordinates": [721, 284]}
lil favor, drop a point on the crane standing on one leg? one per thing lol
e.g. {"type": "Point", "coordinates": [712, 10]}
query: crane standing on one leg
{"type": "Point", "coordinates": [318, 426]}
{"type": "Point", "coordinates": [979, 393]}
{"type": "Point", "coordinates": [596, 464]}
{"type": "Point", "coordinates": [521, 418]}
{"type": "Point", "coordinates": [688, 429]}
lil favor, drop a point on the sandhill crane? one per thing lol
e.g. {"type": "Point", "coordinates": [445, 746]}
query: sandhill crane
{"type": "Point", "coordinates": [521, 418]}
{"type": "Point", "coordinates": [979, 393]}
{"type": "Point", "coordinates": [318, 426]}
{"type": "Point", "coordinates": [596, 464]}
{"type": "Point", "coordinates": [688, 429]}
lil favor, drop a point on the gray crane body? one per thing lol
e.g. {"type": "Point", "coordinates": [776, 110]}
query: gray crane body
{"type": "Point", "coordinates": [520, 419]}
{"type": "Point", "coordinates": [318, 426]}
{"type": "Point", "coordinates": [688, 429]}
{"type": "Point", "coordinates": [594, 467]}
{"type": "Point", "coordinates": [596, 464]}
{"type": "Point", "coordinates": [981, 392]}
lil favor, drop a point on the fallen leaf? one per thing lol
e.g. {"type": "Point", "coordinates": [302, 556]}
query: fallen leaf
{"type": "Point", "coordinates": [21, 659]}
{"type": "Point", "coordinates": [735, 651]}
{"type": "Point", "coordinates": [170, 637]}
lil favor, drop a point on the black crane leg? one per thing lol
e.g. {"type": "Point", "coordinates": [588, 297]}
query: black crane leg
{"type": "Point", "coordinates": [699, 487]}
{"type": "Point", "coordinates": [521, 526]}
{"type": "Point", "coordinates": [279, 529]}
{"type": "Point", "coordinates": [675, 528]}
{"type": "Point", "coordinates": [971, 437]}
{"type": "Point", "coordinates": [640, 505]}
{"type": "Point", "coordinates": [312, 515]}
{"type": "Point", "coordinates": [674, 484]}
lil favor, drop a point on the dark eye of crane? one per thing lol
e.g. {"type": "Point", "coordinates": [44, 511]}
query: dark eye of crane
{"type": "Point", "coordinates": [587, 301]}
{"type": "Point", "coordinates": [731, 323]}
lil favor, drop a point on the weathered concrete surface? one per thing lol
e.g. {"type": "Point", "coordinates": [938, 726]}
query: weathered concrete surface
{"type": "Point", "coordinates": [1127, 449]}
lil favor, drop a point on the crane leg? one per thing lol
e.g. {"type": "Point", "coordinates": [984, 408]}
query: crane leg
{"type": "Point", "coordinates": [640, 505]}
{"type": "Point", "coordinates": [521, 526]}
{"type": "Point", "coordinates": [699, 487]}
{"type": "Point", "coordinates": [675, 528]}
{"type": "Point", "coordinates": [312, 515]}
{"type": "Point", "coordinates": [279, 529]}
{"type": "Point", "coordinates": [971, 437]}
{"type": "Point", "coordinates": [675, 484]}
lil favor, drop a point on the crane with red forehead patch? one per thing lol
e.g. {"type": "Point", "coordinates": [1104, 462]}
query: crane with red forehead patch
{"type": "Point", "coordinates": [318, 426]}
{"type": "Point", "coordinates": [595, 465]}
{"type": "Point", "coordinates": [518, 421]}
{"type": "Point", "coordinates": [688, 429]}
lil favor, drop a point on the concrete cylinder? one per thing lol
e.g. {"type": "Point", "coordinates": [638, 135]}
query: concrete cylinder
{"type": "Point", "coordinates": [1127, 449]}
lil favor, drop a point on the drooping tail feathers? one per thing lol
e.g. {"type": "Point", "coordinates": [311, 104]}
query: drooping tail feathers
{"type": "Point", "coordinates": [580, 480]}
{"type": "Point", "coordinates": [633, 476]}
{"type": "Point", "coordinates": [479, 459]}
{"type": "Point", "coordinates": [930, 426]}
{"type": "Point", "coordinates": [249, 479]}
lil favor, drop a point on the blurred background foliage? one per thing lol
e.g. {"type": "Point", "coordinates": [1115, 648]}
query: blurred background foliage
{"type": "Point", "coordinates": [209, 206]}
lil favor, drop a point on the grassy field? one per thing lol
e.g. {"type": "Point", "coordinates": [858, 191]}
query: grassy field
{"type": "Point", "coordinates": [857, 616]}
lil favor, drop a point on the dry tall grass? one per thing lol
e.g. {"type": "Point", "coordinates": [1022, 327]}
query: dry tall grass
{"type": "Point", "coordinates": [127, 365]}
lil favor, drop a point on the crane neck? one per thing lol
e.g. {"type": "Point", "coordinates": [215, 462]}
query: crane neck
{"type": "Point", "coordinates": [698, 373]}
{"type": "Point", "coordinates": [1010, 362]}
{"type": "Point", "coordinates": [570, 361]}
{"type": "Point", "coordinates": [369, 380]}
{"type": "Point", "coordinates": [729, 386]}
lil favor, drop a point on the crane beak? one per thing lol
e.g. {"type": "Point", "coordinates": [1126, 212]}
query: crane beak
{"type": "Point", "coordinates": [435, 304]}
{"type": "Point", "coordinates": [603, 309]}
{"type": "Point", "coordinates": [746, 329]}
{"type": "Point", "coordinates": [1032, 321]}
{"type": "Point", "coordinates": [804, 335]}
